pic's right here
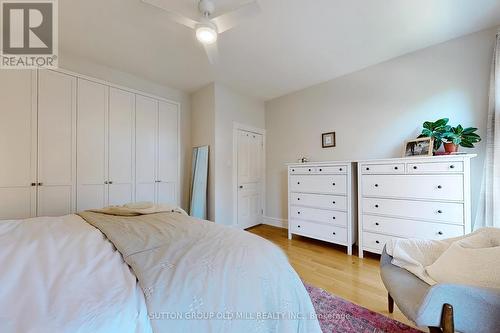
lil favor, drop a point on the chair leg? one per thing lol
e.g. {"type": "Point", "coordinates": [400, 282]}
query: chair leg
{"type": "Point", "coordinates": [447, 322]}
{"type": "Point", "coordinates": [435, 330]}
{"type": "Point", "coordinates": [390, 303]}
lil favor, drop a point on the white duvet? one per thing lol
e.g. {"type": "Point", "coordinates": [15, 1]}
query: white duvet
{"type": "Point", "coordinates": [55, 278]}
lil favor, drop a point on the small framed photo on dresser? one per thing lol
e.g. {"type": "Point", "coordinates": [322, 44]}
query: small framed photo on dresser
{"type": "Point", "coordinates": [419, 147]}
{"type": "Point", "coordinates": [328, 140]}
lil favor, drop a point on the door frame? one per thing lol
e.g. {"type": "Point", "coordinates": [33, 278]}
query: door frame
{"type": "Point", "coordinates": [236, 127]}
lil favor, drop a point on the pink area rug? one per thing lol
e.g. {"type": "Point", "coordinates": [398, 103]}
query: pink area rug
{"type": "Point", "coordinates": [337, 315]}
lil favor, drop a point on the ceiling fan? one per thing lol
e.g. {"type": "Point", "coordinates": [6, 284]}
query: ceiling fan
{"type": "Point", "coordinates": [208, 28]}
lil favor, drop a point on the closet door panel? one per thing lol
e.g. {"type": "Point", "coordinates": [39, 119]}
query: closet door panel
{"type": "Point", "coordinates": [17, 143]}
{"type": "Point", "coordinates": [146, 147]}
{"type": "Point", "coordinates": [168, 150]}
{"type": "Point", "coordinates": [121, 146]}
{"type": "Point", "coordinates": [56, 143]}
{"type": "Point", "coordinates": [92, 145]}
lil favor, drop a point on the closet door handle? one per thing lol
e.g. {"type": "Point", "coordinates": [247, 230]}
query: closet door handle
{"type": "Point", "coordinates": [40, 184]}
{"type": "Point", "coordinates": [106, 182]}
{"type": "Point", "coordinates": [33, 184]}
{"type": "Point", "coordinates": [440, 232]}
{"type": "Point", "coordinates": [452, 166]}
{"type": "Point", "coordinates": [110, 182]}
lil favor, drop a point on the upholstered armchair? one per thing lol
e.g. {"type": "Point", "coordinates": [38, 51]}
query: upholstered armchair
{"type": "Point", "coordinates": [443, 307]}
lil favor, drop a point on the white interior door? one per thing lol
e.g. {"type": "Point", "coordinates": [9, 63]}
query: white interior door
{"type": "Point", "coordinates": [250, 151]}
{"type": "Point", "coordinates": [168, 149]}
{"type": "Point", "coordinates": [121, 147]}
{"type": "Point", "coordinates": [17, 144]}
{"type": "Point", "coordinates": [56, 143]}
{"type": "Point", "coordinates": [146, 122]}
{"type": "Point", "coordinates": [92, 141]}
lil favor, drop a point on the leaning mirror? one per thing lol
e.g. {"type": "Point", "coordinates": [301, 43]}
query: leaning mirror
{"type": "Point", "coordinates": [199, 182]}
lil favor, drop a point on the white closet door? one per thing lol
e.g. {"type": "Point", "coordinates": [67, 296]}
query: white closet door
{"type": "Point", "coordinates": [249, 179]}
{"type": "Point", "coordinates": [92, 145]}
{"type": "Point", "coordinates": [146, 146]}
{"type": "Point", "coordinates": [56, 143]}
{"type": "Point", "coordinates": [17, 143]}
{"type": "Point", "coordinates": [168, 149]}
{"type": "Point", "coordinates": [121, 146]}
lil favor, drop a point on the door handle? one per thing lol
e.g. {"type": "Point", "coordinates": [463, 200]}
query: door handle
{"type": "Point", "coordinates": [40, 184]}
{"type": "Point", "coordinates": [110, 182]}
{"type": "Point", "coordinates": [33, 184]}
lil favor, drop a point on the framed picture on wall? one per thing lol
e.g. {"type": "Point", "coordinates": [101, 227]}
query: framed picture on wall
{"type": "Point", "coordinates": [328, 140]}
{"type": "Point", "coordinates": [419, 147]}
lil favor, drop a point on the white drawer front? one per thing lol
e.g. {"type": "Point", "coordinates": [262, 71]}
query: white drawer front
{"type": "Point", "coordinates": [319, 215]}
{"type": "Point", "coordinates": [341, 169]}
{"type": "Point", "coordinates": [420, 210]}
{"type": "Point", "coordinates": [438, 187]}
{"type": "Point", "coordinates": [375, 242]}
{"type": "Point", "coordinates": [392, 168]}
{"type": "Point", "coordinates": [320, 231]}
{"type": "Point", "coordinates": [306, 170]}
{"type": "Point", "coordinates": [435, 167]}
{"type": "Point", "coordinates": [410, 228]}
{"type": "Point", "coordinates": [319, 184]}
{"type": "Point", "coordinates": [319, 201]}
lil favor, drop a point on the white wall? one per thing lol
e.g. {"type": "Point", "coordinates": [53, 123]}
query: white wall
{"type": "Point", "coordinates": [85, 67]}
{"type": "Point", "coordinates": [374, 110]}
{"type": "Point", "coordinates": [231, 106]}
{"type": "Point", "coordinates": [203, 134]}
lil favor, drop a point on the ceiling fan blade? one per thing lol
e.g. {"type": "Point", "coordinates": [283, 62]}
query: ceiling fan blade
{"type": "Point", "coordinates": [173, 16]}
{"type": "Point", "coordinates": [228, 20]}
{"type": "Point", "coordinates": [212, 52]}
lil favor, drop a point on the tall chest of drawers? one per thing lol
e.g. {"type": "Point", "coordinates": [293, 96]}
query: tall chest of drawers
{"type": "Point", "coordinates": [322, 202]}
{"type": "Point", "coordinates": [426, 197]}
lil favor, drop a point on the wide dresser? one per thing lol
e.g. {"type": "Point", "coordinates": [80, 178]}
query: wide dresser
{"type": "Point", "coordinates": [424, 197]}
{"type": "Point", "coordinates": [322, 202]}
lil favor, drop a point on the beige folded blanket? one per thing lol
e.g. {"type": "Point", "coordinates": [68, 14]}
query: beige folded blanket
{"type": "Point", "coordinates": [139, 208]}
{"type": "Point", "coordinates": [473, 259]}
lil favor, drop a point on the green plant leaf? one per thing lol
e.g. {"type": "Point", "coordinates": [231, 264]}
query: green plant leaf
{"type": "Point", "coordinates": [441, 122]}
{"type": "Point", "coordinates": [466, 144]}
{"type": "Point", "coordinates": [470, 130]}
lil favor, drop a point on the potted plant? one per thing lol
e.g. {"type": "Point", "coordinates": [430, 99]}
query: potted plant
{"type": "Point", "coordinates": [435, 130]}
{"type": "Point", "coordinates": [458, 136]}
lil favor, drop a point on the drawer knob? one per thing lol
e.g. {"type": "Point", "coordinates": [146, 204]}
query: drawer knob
{"type": "Point", "coordinates": [415, 167]}
{"type": "Point", "coordinates": [376, 206]}
{"type": "Point", "coordinates": [309, 169]}
{"type": "Point", "coordinates": [376, 185]}
{"type": "Point", "coordinates": [298, 183]}
{"type": "Point", "coordinates": [440, 187]}
{"type": "Point", "coordinates": [377, 242]}
{"type": "Point", "coordinates": [298, 199]}
{"type": "Point", "coordinates": [452, 166]}
{"type": "Point", "coordinates": [395, 168]}
{"type": "Point", "coordinates": [333, 217]}
{"type": "Point", "coordinates": [334, 233]}
{"type": "Point", "coordinates": [293, 169]}
{"type": "Point", "coordinates": [367, 169]}
{"type": "Point", "coordinates": [320, 169]}
{"type": "Point", "coordinates": [298, 226]}
{"type": "Point", "coordinates": [333, 184]}
{"type": "Point", "coordinates": [440, 211]}
{"type": "Point", "coordinates": [333, 202]}
{"type": "Point", "coordinates": [376, 223]}
{"type": "Point", "coordinates": [440, 232]}
{"type": "Point", "coordinates": [298, 213]}
{"type": "Point", "coordinates": [340, 169]}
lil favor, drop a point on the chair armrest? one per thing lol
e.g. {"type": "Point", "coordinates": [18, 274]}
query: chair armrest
{"type": "Point", "coordinates": [476, 309]}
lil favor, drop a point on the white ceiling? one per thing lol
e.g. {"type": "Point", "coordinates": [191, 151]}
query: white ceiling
{"type": "Point", "coordinates": [292, 44]}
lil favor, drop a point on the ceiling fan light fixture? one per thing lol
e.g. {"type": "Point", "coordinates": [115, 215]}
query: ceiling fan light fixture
{"type": "Point", "coordinates": [206, 33]}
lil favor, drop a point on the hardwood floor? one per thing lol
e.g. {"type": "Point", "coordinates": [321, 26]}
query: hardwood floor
{"type": "Point", "coordinates": [327, 266]}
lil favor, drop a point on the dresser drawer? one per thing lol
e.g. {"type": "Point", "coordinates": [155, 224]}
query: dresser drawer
{"type": "Point", "coordinates": [318, 201]}
{"type": "Point", "coordinates": [420, 210]}
{"type": "Point", "coordinates": [339, 169]}
{"type": "Point", "coordinates": [438, 187]}
{"type": "Point", "coordinates": [306, 170]}
{"type": "Point", "coordinates": [319, 184]}
{"type": "Point", "coordinates": [410, 228]}
{"type": "Point", "coordinates": [391, 168]}
{"type": "Point", "coordinates": [376, 242]}
{"type": "Point", "coordinates": [435, 167]}
{"type": "Point", "coordinates": [319, 215]}
{"type": "Point", "coordinates": [320, 231]}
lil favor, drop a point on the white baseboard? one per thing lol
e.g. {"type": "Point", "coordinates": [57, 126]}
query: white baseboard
{"type": "Point", "coordinates": [275, 222]}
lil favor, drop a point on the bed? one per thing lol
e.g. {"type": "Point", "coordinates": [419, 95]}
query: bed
{"type": "Point", "coordinates": [164, 272]}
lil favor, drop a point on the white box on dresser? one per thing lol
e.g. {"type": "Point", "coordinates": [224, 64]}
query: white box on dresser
{"type": "Point", "coordinates": [413, 197]}
{"type": "Point", "coordinates": [322, 201]}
